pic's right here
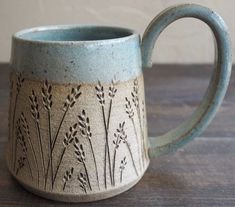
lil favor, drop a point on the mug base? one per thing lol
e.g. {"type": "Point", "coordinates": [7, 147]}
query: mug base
{"type": "Point", "coordinates": [73, 198]}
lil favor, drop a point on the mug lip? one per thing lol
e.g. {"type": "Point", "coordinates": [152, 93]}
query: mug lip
{"type": "Point", "coordinates": [19, 36]}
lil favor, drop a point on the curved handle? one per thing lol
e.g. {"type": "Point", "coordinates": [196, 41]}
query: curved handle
{"type": "Point", "coordinates": [214, 95]}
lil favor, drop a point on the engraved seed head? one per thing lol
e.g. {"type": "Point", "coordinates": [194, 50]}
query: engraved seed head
{"type": "Point", "coordinates": [119, 135]}
{"type": "Point", "coordinates": [25, 124]}
{"type": "Point", "coordinates": [112, 90]}
{"type": "Point", "coordinates": [82, 181]}
{"type": "Point", "coordinates": [21, 162]}
{"type": "Point", "coordinates": [84, 125]}
{"type": "Point", "coordinates": [34, 106]}
{"type": "Point", "coordinates": [100, 93]}
{"type": "Point", "coordinates": [47, 96]}
{"type": "Point", "coordinates": [72, 98]}
{"type": "Point", "coordinates": [19, 82]}
{"type": "Point", "coordinates": [135, 93]}
{"type": "Point", "coordinates": [123, 164]}
{"type": "Point", "coordinates": [129, 109]}
{"type": "Point", "coordinates": [70, 135]}
{"type": "Point", "coordinates": [68, 175]}
{"type": "Point", "coordinates": [79, 151]}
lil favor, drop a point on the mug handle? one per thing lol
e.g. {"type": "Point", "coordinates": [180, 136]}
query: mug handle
{"type": "Point", "coordinates": [216, 90]}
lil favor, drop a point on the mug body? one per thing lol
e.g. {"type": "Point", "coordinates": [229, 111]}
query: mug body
{"type": "Point", "coordinates": [77, 120]}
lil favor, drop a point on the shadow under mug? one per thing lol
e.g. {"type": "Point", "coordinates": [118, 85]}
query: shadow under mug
{"type": "Point", "coordinates": [77, 119]}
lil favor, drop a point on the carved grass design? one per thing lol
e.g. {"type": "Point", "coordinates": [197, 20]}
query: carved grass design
{"type": "Point", "coordinates": [130, 113]}
{"type": "Point", "coordinates": [111, 95]}
{"type": "Point", "coordinates": [27, 133]}
{"type": "Point", "coordinates": [68, 139]}
{"type": "Point", "coordinates": [21, 164]}
{"type": "Point", "coordinates": [118, 134]}
{"type": "Point", "coordinates": [21, 141]}
{"type": "Point", "coordinates": [47, 103]}
{"type": "Point", "coordinates": [136, 102]}
{"type": "Point", "coordinates": [145, 148]}
{"type": "Point", "coordinates": [84, 125]}
{"type": "Point", "coordinates": [101, 98]}
{"type": "Point", "coordinates": [68, 104]}
{"type": "Point", "coordinates": [36, 117]}
{"type": "Point", "coordinates": [67, 177]}
{"type": "Point", "coordinates": [125, 141]}
{"type": "Point", "coordinates": [19, 83]}
{"type": "Point", "coordinates": [10, 108]}
{"type": "Point", "coordinates": [10, 129]}
{"type": "Point", "coordinates": [100, 95]}
{"type": "Point", "coordinates": [71, 136]}
{"type": "Point", "coordinates": [15, 145]}
{"type": "Point", "coordinates": [82, 182]}
{"type": "Point", "coordinates": [122, 168]}
{"type": "Point", "coordinates": [81, 158]}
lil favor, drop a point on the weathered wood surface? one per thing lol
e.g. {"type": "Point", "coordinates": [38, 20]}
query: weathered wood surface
{"type": "Point", "coordinates": [200, 174]}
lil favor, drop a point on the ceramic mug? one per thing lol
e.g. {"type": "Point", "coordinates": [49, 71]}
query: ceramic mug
{"type": "Point", "coordinates": [77, 121]}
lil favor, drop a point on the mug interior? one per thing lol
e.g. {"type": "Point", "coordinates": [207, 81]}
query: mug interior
{"type": "Point", "coordinates": [73, 33]}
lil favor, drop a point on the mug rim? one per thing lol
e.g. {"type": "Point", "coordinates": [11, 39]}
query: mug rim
{"type": "Point", "coordinates": [130, 34]}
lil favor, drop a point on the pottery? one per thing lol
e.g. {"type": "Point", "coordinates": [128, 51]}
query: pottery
{"type": "Point", "coordinates": [77, 116]}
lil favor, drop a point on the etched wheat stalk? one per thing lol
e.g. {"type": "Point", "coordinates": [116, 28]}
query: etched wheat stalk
{"type": "Point", "coordinates": [47, 103]}
{"type": "Point", "coordinates": [21, 164]}
{"type": "Point", "coordinates": [21, 140]}
{"type": "Point", "coordinates": [36, 117]}
{"type": "Point", "coordinates": [67, 177]}
{"type": "Point", "coordinates": [82, 182]}
{"type": "Point", "coordinates": [10, 113]}
{"type": "Point", "coordinates": [136, 101]}
{"type": "Point", "coordinates": [27, 133]}
{"type": "Point", "coordinates": [111, 95]}
{"type": "Point", "coordinates": [130, 113]}
{"type": "Point", "coordinates": [122, 167]}
{"type": "Point", "coordinates": [135, 94]}
{"type": "Point", "coordinates": [144, 125]}
{"type": "Point", "coordinates": [143, 113]}
{"type": "Point", "coordinates": [68, 139]}
{"type": "Point", "coordinates": [19, 83]}
{"type": "Point", "coordinates": [81, 158]}
{"type": "Point", "coordinates": [119, 132]}
{"type": "Point", "coordinates": [124, 140]}
{"type": "Point", "coordinates": [15, 144]}
{"type": "Point", "coordinates": [68, 104]}
{"type": "Point", "coordinates": [84, 125]}
{"type": "Point", "coordinates": [100, 96]}
{"type": "Point", "coordinates": [10, 103]}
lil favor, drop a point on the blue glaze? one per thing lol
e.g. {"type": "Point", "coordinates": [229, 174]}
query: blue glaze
{"type": "Point", "coordinates": [73, 53]}
{"type": "Point", "coordinates": [203, 115]}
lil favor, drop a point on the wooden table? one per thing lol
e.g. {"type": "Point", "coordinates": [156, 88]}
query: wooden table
{"type": "Point", "coordinates": [202, 173]}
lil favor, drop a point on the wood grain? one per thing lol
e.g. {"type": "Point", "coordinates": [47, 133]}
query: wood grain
{"type": "Point", "coordinates": [200, 174]}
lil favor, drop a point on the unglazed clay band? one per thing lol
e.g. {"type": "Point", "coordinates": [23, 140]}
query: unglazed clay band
{"type": "Point", "coordinates": [203, 115]}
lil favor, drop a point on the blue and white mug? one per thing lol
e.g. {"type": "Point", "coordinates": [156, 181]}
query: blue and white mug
{"type": "Point", "coordinates": [77, 119]}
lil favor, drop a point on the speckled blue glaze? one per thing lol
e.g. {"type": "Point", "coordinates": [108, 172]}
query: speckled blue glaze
{"type": "Point", "coordinates": [73, 53]}
{"type": "Point", "coordinates": [206, 111]}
